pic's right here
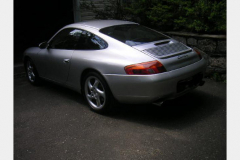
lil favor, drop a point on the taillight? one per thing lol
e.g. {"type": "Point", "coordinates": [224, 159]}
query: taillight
{"type": "Point", "coordinates": [199, 54]}
{"type": "Point", "coordinates": [152, 67]}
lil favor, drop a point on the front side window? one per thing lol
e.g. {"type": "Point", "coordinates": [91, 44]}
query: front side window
{"type": "Point", "coordinates": [133, 34]}
{"type": "Point", "coordinates": [63, 40]}
{"type": "Point", "coordinates": [72, 38]}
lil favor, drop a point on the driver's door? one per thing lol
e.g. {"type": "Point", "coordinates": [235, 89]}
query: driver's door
{"type": "Point", "coordinates": [58, 56]}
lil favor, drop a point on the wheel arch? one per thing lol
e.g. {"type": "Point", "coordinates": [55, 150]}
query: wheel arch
{"type": "Point", "coordinates": [85, 72]}
{"type": "Point", "coordinates": [25, 58]}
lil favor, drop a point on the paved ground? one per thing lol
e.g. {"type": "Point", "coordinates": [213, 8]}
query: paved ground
{"type": "Point", "coordinates": [52, 122]}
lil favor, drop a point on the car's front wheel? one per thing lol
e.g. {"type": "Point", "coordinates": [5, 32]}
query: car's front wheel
{"type": "Point", "coordinates": [97, 92]}
{"type": "Point", "coordinates": [32, 74]}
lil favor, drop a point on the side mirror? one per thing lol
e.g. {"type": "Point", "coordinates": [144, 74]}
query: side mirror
{"type": "Point", "coordinates": [43, 45]}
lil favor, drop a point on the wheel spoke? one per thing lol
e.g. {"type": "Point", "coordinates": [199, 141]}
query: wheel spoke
{"type": "Point", "coordinates": [98, 101]}
{"type": "Point", "coordinates": [89, 96]}
{"type": "Point", "coordinates": [101, 93]}
{"type": "Point", "coordinates": [90, 85]}
{"type": "Point", "coordinates": [96, 83]}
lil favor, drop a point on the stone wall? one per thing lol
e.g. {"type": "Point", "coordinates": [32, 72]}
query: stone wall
{"type": "Point", "coordinates": [213, 46]}
{"type": "Point", "coordinates": [89, 15]}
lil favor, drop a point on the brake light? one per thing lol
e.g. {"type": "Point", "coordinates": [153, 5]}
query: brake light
{"type": "Point", "coordinates": [152, 67]}
{"type": "Point", "coordinates": [199, 54]}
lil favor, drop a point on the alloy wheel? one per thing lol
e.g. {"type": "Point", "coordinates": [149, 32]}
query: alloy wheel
{"type": "Point", "coordinates": [95, 92]}
{"type": "Point", "coordinates": [30, 72]}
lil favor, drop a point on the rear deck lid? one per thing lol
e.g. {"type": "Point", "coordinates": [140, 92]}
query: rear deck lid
{"type": "Point", "coordinates": [171, 53]}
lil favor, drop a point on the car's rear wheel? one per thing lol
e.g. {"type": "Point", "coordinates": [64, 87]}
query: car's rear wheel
{"type": "Point", "coordinates": [32, 74]}
{"type": "Point", "coordinates": [97, 92]}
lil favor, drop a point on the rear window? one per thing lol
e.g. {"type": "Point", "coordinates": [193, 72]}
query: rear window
{"type": "Point", "coordinates": [133, 34]}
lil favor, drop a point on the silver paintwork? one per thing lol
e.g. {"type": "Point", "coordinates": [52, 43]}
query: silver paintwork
{"type": "Point", "coordinates": [149, 88]}
{"type": "Point", "coordinates": [67, 66]}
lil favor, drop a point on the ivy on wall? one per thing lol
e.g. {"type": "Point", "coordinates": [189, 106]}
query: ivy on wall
{"type": "Point", "coordinates": [201, 16]}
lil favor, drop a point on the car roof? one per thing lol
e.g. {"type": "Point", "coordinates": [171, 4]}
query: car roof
{"type": "Point", "coordinates": [99, 24]}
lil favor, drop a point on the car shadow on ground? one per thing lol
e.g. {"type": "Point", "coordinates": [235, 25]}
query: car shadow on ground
{"type": "Point", "coordinates": [173, 114]}
{"type": "Point", "coordinates": [63, 91]}
{"type": "Point", "coordinates": [178, 113]}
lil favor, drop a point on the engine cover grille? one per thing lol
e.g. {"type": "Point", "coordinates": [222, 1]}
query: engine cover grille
{"type": "Point", "coordinates": [167, 49]}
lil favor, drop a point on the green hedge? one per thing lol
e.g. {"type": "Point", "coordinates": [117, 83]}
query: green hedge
{"type": "Point", "coordinates": [202, 16]}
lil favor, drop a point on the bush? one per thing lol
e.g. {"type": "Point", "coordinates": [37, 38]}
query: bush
{"type": "Point", "coordinates": [202, 16]}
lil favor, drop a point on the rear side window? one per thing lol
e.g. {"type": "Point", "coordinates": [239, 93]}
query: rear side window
{"type": "Point", "coordinates": [72, 38]}
{"type": "Point", "coordinates": [133, 34]}
{"type": "Point", "coordinates": [88, 41]}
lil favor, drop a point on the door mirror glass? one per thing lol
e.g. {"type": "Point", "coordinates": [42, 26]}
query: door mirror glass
{"type": "Point", "coordinates": [43, 45]}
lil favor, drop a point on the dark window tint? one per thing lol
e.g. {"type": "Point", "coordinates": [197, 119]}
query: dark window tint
{"type": "Point", "coordinates": [77, 39]}
{"type": "Point", "coordinates": [63, 40]}
{"type": "Point", "coordinates": [133, 34]}
{"type": "Point", "coordinates": [88, 41]}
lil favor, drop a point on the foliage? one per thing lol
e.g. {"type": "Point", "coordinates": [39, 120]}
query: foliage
{"type": "Point", "coordinates": [202, 16]}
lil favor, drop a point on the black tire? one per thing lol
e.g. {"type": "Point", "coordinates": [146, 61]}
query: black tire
{"type": "Point", "coordinates": [99, 97]}
{"type": "Point", "coordinates": [31, 72]}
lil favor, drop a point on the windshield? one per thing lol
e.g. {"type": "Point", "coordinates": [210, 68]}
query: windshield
{"type": "Point", "coordinates": [133, 34]}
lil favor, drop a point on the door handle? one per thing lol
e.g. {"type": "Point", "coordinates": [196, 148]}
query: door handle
{"type": "Point", "coordinates": [66, 61]}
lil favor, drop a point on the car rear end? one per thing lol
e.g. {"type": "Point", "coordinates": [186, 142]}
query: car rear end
{"type": "Point", "coordinates": [175, 69]}
{"type": "Point", "coordinates": [157, 87]}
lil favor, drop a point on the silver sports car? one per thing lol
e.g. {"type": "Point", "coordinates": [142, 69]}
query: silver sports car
{"type": "Point", "coordinates": [113, 60]}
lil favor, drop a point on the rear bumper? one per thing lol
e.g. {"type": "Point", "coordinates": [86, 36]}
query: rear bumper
{"type": "Point", "coordinates": [149, 88]}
